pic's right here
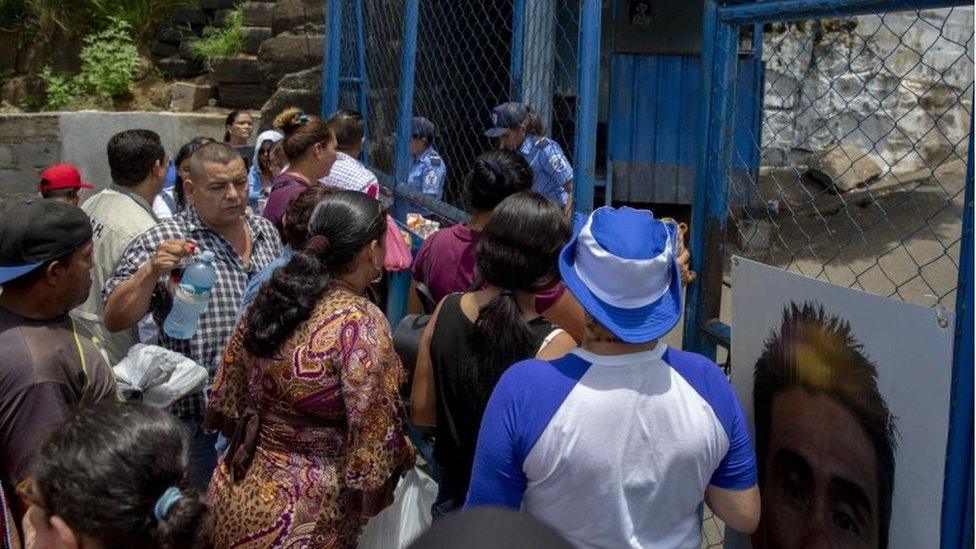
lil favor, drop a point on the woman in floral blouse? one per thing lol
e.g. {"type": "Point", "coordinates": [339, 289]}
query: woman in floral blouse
{"type": "Point", "coordinates": [309, 393]}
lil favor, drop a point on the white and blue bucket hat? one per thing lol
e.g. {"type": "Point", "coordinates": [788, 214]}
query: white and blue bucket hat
{"type": "Point", "coordinates": [621, 266]}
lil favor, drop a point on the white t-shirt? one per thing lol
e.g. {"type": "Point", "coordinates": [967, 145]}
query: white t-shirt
{"type": "Point", "coordinates": [613, 451]}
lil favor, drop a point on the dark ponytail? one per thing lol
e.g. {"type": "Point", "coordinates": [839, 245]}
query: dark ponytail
{"type": "Point", "coordinates": [183, 524]}
{"type": "Point", "coordinates": [342, 225]}
{"type": "Point", "coordinates": [104, 469]}
{"type": "Point", "coordinates": [495, 176]}
{"type": "Point", "coordinates": [518, 251]}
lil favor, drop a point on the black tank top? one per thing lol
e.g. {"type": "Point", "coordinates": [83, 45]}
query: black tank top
{"type": "Point", "coordinates": [459, 415]}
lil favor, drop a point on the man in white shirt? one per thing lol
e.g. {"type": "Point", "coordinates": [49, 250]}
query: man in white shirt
{"type": "Point", "coordinates": [348, 172]}
{"type": "Point", "coordinates": [618, 443]}
{"type": "Point", "coordinates": [118, 215]}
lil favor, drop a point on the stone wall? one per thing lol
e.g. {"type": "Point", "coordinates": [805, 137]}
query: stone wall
{"type": "Point", "coordinates": [31, 142]}
{"type": "Point", "coordinates": [28, 144]}
{"type": "Point", "coordinates": [897, 88]}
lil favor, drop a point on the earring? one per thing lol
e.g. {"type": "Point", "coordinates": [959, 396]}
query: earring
{"type": "Point", "coordinates": [379, 277]}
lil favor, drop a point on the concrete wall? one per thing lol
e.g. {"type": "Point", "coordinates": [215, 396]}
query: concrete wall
{"type": "Point", "coordinates": [898, 88]}
{"type": "Point", "coordinates": [30, 142]}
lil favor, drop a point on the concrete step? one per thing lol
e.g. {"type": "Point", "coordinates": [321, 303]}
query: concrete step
{"type": "Point", "coordinates": [289, 52]}
{"type": "Point", "coordinates": [253, 37]}
{"type": "Point", "coordinates": [259, 14]}
{"type": "Point", "coordinates": [218, 4]}
{"type": "Point", "coordinates": [189, 16]}
{"type": "Point", "coordinates": [242, 96]}
{"type": "Point", "coordinates": [238, 70]}
{"type": "Point", "coordinates": [176, 67]}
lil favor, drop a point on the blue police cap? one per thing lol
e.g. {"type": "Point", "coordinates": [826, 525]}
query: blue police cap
{"type": "Point", "coordinates": [422, 127]}
{"type": "Point", "coordinates": [505, 117]}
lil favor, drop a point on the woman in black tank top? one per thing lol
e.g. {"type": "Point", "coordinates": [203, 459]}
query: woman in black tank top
{"type": "Point", "coordinates": [474, 337]}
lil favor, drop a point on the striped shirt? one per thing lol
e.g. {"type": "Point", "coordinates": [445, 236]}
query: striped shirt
{"type": "Point", "coordinates": [350, 174]}
{"type": "Point", "coordinates": [219, 319]}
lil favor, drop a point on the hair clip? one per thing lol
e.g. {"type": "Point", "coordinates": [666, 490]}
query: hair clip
{"type": "Point", "coordinates": [303, 118]}
{"type": "Point", "coordinates": [494, 167]}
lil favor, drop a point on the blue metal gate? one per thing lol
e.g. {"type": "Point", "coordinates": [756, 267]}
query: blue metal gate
{"type": "Point", "coordinates": [858, 131]}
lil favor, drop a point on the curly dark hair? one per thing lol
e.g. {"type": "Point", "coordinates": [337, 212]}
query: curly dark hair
{"type": "Point", "coordinates": [348, 221]}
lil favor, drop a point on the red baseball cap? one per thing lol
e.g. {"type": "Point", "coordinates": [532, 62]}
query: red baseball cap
{"type": "Point", "coordinates": [62, 176]}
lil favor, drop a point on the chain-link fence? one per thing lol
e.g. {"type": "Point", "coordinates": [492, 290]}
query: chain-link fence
{"type": "Point", "coordinates": [470, 56]}
{"type": "Point", "coordinates": [371, 48]}
{"type": "Point", "coordinates": [863, 145]}
{"type": "Point", "coordinates": [856, 170]}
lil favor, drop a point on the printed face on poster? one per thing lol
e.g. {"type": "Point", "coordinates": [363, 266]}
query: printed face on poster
{"type": "Point", "coordinates": [847, 394]}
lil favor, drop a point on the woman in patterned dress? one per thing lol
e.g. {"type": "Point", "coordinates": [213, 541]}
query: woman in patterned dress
{"type": "Point", "coordinates": [309, 393]}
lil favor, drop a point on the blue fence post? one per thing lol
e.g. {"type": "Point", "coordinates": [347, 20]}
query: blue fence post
{"type": "Point", "coordinates": [957, 491]}
{"type": "Point", "coordinates": [589, 92]}
{"type": "Point", "coordinates": [518, 39]}
{"type": "Point", "coordinates": [363, 80]}
{"type": "Point", "coordinates": [333, 46]}
{"type": "Point", "coordinates": [719, 63]}
{"type": "Point", "coordinates": [399, 287]}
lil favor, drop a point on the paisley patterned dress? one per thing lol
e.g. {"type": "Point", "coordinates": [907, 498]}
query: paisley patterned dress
{"type": "Point", "coordinates": [330, 432]}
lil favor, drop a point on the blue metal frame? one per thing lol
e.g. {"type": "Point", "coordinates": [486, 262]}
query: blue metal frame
{"type": "Point", "coordinates": [399, 283]}
{"type": "Point", "coordinates": [790, 10]}
{"type": "Point", "coordinates": [719, 55]}
{"type": "Point", "coordinates": [587, 110]}
{"type": "Point", "coordinates": [333, 48]}
{"type": "Point", "coordinates": [957, 492]}
{"type": "Point", "coordinates": [518, 39]}
{"type": "Point", "coordinates": [362, 81]}
{"type": "Point", "coordinates": [702, 328]}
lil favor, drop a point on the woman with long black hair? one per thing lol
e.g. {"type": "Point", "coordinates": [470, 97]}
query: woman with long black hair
{"type": "Point", "coordinates": [309, 393]}
{"type": "Point", "coordinates": [473, 337]}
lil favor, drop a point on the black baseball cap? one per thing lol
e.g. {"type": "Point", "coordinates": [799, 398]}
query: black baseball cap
{"type": "Point", "coordinates": [422, 127]}
{"type": "Point", "coordinates": [37, 230]}
{"type": "Point", "coordinates": [505, 117]}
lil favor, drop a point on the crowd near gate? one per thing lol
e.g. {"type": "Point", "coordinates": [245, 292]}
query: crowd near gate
{"type": "Point", "coordinates": [833, 140]}
{"type": "Point", "coordinates": [451, 62]}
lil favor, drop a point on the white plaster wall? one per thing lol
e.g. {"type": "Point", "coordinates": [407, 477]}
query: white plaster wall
{"type": "Point", "coordinates": [897, 87]}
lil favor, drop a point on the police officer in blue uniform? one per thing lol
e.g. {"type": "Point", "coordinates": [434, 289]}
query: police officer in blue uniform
{"type": "Point", "coordinates": [427, 172]}
{"type": "Point", "coordinates": [517, 127]}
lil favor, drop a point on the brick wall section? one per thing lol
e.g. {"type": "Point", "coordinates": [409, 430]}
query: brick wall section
{"type": "Point", "coordinates": [28, 144]}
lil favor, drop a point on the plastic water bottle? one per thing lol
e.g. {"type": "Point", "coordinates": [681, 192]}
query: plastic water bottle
{"type": "Point", "coordinates": [191, 297]}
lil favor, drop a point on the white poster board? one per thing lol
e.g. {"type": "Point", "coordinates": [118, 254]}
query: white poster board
{"type": "Point", "coordinates": [911, 347]}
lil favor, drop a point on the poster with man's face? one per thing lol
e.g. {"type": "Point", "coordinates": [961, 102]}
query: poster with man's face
{"type": "Point", "coordinates": [847, 394]}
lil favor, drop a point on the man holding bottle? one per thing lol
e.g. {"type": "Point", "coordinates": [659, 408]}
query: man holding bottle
{"type": "Point", "coordinates": [241, 244]}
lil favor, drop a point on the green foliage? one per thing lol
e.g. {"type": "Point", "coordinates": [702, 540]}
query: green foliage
{"type": "Point", "coordinates": [109, 61]}
{"type": "Point", "coordinates": [53, 20]}
{"type": "Point", "coordinates": [61, 89]}
{"type": "Point", "coordinates": [12, 14]}
{"type": "Point", "coordinates": [143, 15]}
{"type": "Point", "coordinates": [226, 42]}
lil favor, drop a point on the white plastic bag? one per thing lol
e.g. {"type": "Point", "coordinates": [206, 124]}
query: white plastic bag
{"type": "Point", "coordinates": [401, 523]}
{"type": "Point", "coordinates": [161, 376]}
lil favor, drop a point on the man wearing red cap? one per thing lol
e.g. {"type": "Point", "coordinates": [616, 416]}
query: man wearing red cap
{"type": "Point", "coordinates": [62, 182]}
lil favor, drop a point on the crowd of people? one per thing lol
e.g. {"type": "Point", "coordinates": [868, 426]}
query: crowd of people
{"type": "Point", "coordinates": [541, 372]}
